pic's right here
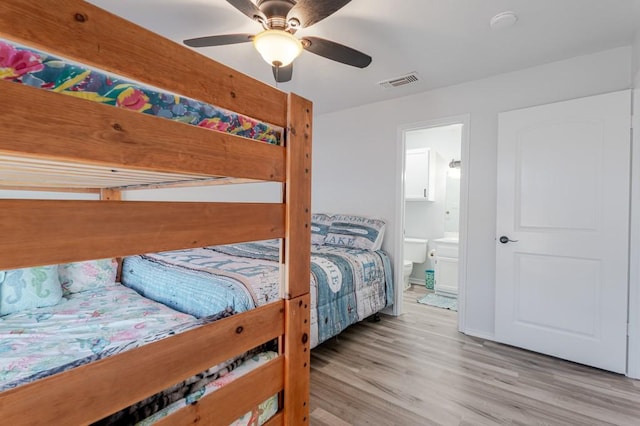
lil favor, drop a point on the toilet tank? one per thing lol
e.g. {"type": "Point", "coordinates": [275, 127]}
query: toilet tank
{"type": "Point", "coordinates": [415, 249]}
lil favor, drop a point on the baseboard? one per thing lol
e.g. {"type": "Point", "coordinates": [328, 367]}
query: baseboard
{"type": "Point", "coordinates": [480, 334]}
{"type": "Point", "coordinates": [416, 281]}
{"type": "Point", "coordinates": [633, 373]}
{"type": "Point", "coordinates": [447, 291]}
{"type": "Point", "coordinates": [389, 311]}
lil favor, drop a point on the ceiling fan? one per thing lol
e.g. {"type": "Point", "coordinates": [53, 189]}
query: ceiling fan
{"type": "Point", "coordinates": [277, 43]}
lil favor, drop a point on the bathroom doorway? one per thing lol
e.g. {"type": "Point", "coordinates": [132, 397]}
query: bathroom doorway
{"type": "Point", "coordinates": [432, 211]}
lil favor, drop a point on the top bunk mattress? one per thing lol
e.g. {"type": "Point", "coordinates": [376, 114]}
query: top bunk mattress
{"type": "Point", "coordinates": [31, 67]}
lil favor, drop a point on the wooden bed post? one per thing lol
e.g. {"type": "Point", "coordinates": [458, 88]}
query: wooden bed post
{"type": "Point", "coordinates": [110, 194]}
{"type": "Point", "coordinates": [297, 260]}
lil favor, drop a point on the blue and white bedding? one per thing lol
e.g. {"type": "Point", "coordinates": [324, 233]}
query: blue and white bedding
{"type": "Point", "coordinates": [202, 281]}
{"type": "Point", "coordinates": [347, 284]}
{"type": "Point", "coordinates": [348, 278]}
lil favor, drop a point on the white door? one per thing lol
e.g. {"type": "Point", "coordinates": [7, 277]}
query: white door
{"type": "Point", "coordinates": [563, 196]}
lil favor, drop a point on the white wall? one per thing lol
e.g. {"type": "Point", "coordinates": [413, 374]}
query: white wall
{"type": "Point", "coordinates": [354, 163]}
{"type": "Point", "coordinates": [635, 64]}
{"type": "Point", "coordinates": [264, 192]}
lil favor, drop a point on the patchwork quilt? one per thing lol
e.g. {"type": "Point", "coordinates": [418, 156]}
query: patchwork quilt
{"type": "Point", "coordinates": [347, 284]}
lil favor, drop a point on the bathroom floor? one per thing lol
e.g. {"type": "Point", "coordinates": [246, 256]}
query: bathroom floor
{"type": "Point", "coordinates": [426, 297]}
{"type": "Point", "coordinates": [417, 290]}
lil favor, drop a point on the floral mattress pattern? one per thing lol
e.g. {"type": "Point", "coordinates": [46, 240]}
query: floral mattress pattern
{"type": "Point", "coordinates": [95, 323]}
{"type": "Point", "coordinates": [31, 67]}
{"type": "Point", "coordinates": [86, 326]}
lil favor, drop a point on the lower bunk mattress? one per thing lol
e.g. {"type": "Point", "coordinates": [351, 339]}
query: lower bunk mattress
{"type": "Point", "coordinates": [347, 284]}
{"type": "Point", "coordinates": [93, 324]}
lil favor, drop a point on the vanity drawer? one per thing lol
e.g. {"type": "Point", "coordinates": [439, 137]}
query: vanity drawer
{"type": "Point", "coordinates": [447, 250]}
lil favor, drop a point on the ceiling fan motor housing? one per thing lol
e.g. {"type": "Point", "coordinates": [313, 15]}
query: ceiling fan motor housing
{"type": "Point", "coordinates": [276, 12]}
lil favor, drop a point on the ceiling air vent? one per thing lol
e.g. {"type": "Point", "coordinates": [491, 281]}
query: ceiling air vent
{"type": "Point", "coordinates": [410, 78]}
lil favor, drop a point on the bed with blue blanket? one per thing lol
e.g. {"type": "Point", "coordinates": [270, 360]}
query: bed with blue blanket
{"type": "Point", "coordinates": [347, 284]}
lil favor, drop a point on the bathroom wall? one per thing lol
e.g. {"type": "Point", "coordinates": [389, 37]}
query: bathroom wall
{"type": "Point", "coordinates": [429, 219]}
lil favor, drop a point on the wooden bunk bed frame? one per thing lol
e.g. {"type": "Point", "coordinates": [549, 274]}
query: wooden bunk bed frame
{"type": "Point", "coordinates": [67, 132]}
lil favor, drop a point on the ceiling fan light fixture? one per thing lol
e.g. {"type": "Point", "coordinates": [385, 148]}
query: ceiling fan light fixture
{"type": "Point", "coordinates": [277, 47]}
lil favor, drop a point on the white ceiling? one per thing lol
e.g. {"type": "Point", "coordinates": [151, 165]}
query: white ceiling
{"type": "Point", "coordinates": [445, 41]}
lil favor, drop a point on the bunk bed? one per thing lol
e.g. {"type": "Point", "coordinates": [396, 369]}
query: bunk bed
{"type": "Point", "coordinates": [53, 142]}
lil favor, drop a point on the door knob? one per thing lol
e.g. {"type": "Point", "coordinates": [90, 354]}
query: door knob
{"type": "Point", "coordinates": [504, 240]}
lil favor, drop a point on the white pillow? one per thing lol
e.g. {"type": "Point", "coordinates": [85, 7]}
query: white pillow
{"type": "Point", "coordinates": [80, 276]}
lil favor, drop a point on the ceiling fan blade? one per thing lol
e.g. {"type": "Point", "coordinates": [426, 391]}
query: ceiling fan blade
{"type": "Point", "coordinates": [283, 74]}
{"type": "Point", "coordinates": [336, 52]}
{"type": "Point", "coordinates": [308, 12]}
{"type": "Point", "coordinates": [248, 8]}
{"type": "Point", "coordinates": [218, 40]}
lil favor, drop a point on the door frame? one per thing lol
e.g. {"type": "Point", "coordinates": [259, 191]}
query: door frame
{"type": "Point", "coordinates": [633, 326]}
{"type": "Point", "coordinates": [464, 202]}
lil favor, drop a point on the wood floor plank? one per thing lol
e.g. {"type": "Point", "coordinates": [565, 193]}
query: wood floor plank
{"type": "Point", "coordinates": [418, 370]}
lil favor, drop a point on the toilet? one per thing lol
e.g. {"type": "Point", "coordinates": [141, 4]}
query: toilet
{"type": "Point", "coordinates": [406, 272]}
{"type": "Point", "coordinates": [415, 251]}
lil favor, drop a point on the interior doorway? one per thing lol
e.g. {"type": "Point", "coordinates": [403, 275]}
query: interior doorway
{"type": "Point", "coordinates": [431, 205]}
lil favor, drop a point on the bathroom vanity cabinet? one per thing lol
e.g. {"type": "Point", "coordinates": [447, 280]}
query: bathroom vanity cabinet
{"type": "Point", "coordinates": [419, 179]}
{"type": "Point", "coordinates": [446, 270]}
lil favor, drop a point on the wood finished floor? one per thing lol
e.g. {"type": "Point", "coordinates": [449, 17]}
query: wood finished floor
{"type": "Point", "coordinates": [418, 370]}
